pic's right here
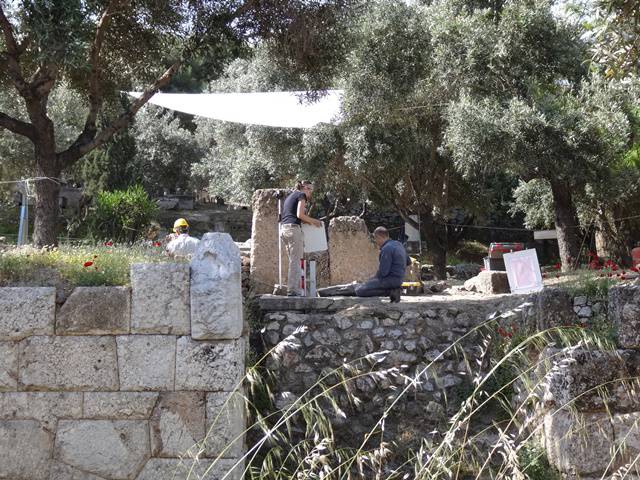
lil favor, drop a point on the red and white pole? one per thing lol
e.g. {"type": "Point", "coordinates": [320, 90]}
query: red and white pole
{"type": "Point", "coordinates": [303, 277]}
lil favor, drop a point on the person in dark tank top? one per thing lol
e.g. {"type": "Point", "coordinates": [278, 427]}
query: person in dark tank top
{"type": "Point", "coordinates": [293, 215]}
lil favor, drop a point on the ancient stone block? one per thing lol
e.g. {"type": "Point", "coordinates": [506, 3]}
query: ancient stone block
{"type": "Point", "coordinates": [173, 468]}
{"type": "Point", "coordinates": [8, 366]}
{"type": "Point", "coordinates": [177, 424]}
{"type": "Point", "coordinates": [60, 471]}
{"type": "Point", "coordinates": [590, 380]}
{"type": "Point", "coordinates": [26, 311]}
{"type": "Point", "coordinates": [119, 405]}
{"type": "Point", "coordinates": [624, 312]}
{"type": "Point", "coordinates": [353, 253]}
{"type": "Point", "coordinates": [160, 298]}
{"type": "Point", "coordinates": [216, 296]}
{"type": "Point", "coordinates": [146, 362]}
{"type": "Point", "coordinates": [205, 365]}
{"type": "Point", "coordinates": [25, 449]}
{"type": "Point", "coordinates": [626, 431]}
{"type": "Point", "coordinates": [115, 449]}
{"type": "Point", "coordinates": [95, 311]}
{"type": "Point", "coordinates": [488, 282]}
{"type": "Point", "coordinates": [554, 308]}
{"type": "Point", "coordinates": [45, 407]}
{"type": "Point", "coordinates": [226, 423]}
{"type": "Point", "coordinates": [323, 267]}
{"type": "Point", "coordinates": [264, 242]}
{"type": "Point", "coordinates": [578, 443]}
{"type": "Point", "coordinates": [68, 363]}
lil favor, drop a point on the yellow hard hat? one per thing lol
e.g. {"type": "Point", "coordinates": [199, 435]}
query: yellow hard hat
{"type": "Point", "coordinates": [181, 222]}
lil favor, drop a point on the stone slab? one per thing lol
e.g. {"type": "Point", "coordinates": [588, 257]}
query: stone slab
{"type": "Point", "coordinates": [146, 362]}
{"type": "Point", "coordinates": [60, 471]}
{"type": "Point", "coordinates": [624, 312]}
{"type": "Point", "coordinates": [554, 308]}
{"type": "Point", "coordinates": [26, 311]}
{"type": "Point", "coordinates": [226, 424]}
{"type": "Point", "coordinates": [160, 298]}
{"type": "Point", "coordinates": [8, 366]}
{"type": "Point", "coordinates": [626, 431]}
{"type": "Point", "coordinates": [115, 449]}
{"type": "Point", "coordinates": [68, 363]}
{"type": "Point", "coordinates": [45, 407]}
{"type": "Point", "coordinates": [488, 283]}
{"type": "Point", "coordinates": [119, 405]}
{"type": "Point", "coordinates": [208, 365]}
{"type": "Point", "coordinates": [354, 254]}
{"type": "Point", "coordinates": [178, 424]}
{"type": "Point", "coordinates": [216, 293]}
{"type": "Point", "coordinates": [578, 443]}
{"type": "Point", "coordinates": [25, 449]}
{"type": "Point", "coordinates": [174, 468]}
{"type": "Point", "coordinates": [95, 311]}
{"type": "Point", "coordinates": [264, 242]}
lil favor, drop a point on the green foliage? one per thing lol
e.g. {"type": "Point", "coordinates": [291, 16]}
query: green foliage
{"type": "Point", "coordinates": [534, 199]}
{"type": "Point", "coordinates": [535, 464]}
{"type": "Point", "coordinates": [69, 266]}
{"type": "Point", "coordinates": [122, 215]}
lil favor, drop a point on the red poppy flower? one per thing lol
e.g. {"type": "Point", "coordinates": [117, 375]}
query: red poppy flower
{"type": "Point", "coordinates": [108, 244]}
{"type": "Point", "coordinates": [557, 266]}
{"type": "Point", "coordinates": [614, 267]}
{"type": "Point", "coordinates": [88, 264]}
{"type": "Point", "coordinates": [156, 244]}
{"type": "Point", "coordinates": [622, 277]}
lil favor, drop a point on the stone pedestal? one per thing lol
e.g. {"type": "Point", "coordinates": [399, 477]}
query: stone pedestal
{"type": "Point", "coordinates": [354, 255]}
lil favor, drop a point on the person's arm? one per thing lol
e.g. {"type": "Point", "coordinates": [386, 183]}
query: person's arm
{"type": "Point", "coordinates": [385, 263]}
{"type": "Point", "coordinates": [302, 203]}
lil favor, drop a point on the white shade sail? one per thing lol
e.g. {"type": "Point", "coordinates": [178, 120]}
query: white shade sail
{"type": "Point", "coordinates": [273, 109]}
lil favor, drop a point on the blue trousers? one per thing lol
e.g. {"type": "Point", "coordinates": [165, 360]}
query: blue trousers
{"type": "Point", "coordinates": [377, 288]}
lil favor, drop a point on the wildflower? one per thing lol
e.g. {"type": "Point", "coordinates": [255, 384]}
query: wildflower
{"type": "Point", "coordinates": [108, 244]}
{"type": "Point", "coordinates": [88, 264]}
{"type": "Point", "coordinates": [502, 332]}
{"type": "Point", "coordinates": [557, 266]}
{"type": "Point", "coordinates": [156, 244]}
{"type": "Point", "coordinates": [622, 277]}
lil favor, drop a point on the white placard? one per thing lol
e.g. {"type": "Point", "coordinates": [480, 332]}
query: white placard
{"type": "Point", "coordinates": [523, 271]}
{"type": "Point", "coordinates": [545, 235]}
{"type": "Point", "coordinates": [315, 238]}
{"type": "Point", "coordinates": [413, 234]}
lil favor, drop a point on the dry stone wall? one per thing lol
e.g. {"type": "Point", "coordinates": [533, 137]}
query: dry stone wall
{"type": "Point", "coordinates": [124, 383]}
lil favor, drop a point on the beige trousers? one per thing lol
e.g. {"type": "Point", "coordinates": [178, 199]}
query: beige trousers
{"type": "Point", "coordinates": [294, 245]}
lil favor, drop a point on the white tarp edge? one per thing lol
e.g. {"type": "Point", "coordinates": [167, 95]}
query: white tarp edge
{"type": "Point", "coordinates": [273, 109]}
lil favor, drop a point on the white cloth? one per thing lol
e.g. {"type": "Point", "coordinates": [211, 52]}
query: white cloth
{"type": "Point", "coordinates": [183, 245]}
{"type": "Point", "coordinates": [272, 109]}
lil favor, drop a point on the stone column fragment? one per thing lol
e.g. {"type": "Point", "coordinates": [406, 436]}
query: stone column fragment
{"type": "Point", "coordinates": [216, 294]}
{"type": "Point", "coordinates": [353, 253]}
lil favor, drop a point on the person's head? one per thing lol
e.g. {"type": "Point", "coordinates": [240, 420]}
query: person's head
{"type": "Point", "coordinates": [305, 186]}
{"type": "Point", "coordinates": [380, 235]}
{"type": "Point", "coordinates": [180, 226]}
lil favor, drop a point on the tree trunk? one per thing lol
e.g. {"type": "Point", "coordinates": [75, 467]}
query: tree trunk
{"type": "Point", "coordinates": [47, 192]}
{"type": "Point", "coordinates": [435, 234]}
{"type": "Point", "coordinates": [566, 225]}
{"type": "Point", "coordinates": [612, 238]}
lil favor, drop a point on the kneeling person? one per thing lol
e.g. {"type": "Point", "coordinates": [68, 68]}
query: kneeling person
{"type": "Point", "coordinates": [393, 261]}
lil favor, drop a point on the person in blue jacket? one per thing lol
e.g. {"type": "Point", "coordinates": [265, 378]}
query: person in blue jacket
{"type": "Point", "coordinates": [391, 271]}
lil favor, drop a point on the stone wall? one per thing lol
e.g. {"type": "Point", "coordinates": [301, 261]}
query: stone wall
{"type": "Point", "coordinates": [123, 382]}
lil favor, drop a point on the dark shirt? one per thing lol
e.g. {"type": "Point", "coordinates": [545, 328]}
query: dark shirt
{"type": "Point", "coordinates": [393, 260]}
{"type": "Point", "coordinates": [290, 208]}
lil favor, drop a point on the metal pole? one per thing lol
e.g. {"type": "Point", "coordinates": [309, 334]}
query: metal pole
{"type": "Point", "coordinates": [23, 229]}
{"type": "Point", "coordinates": [303, 285]}
{"type": "Point", "coordinates": [313, 292]}
{"type": "Point", "coordinates": [279, 242]}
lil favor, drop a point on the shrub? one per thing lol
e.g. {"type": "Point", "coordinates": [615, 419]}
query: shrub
{"type": "Point", "coordinates": [122, 215]}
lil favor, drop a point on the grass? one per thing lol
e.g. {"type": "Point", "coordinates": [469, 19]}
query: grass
{"type": "Point", "coordinates": [74, 265]}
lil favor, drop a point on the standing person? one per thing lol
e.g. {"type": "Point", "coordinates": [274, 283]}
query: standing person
{"type": "Point", "coordinates": [293, 214]}
{"type": "Point", "coordinates": [182, 244]}
{"type": "Point", "coordinates": [393, 262]}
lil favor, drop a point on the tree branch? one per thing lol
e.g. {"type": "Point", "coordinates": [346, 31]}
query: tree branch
{"type": "Point", "coordinates": [12, 56]}
{"type": "Point", "coordinates": [84, 143]}
{"type": "Point", "coordinates": [17, 126]}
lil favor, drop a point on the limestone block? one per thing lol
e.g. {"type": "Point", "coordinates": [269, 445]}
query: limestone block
{"type": "Point", "coordinates": [119, 405]}
{"type": "Point", "coordinates": [579, 443]}
{"type": "Point", "coordinates": [44, 407]}
{"type": "Point", "coordinates": [624, 312]}
{"type": "Point", "coordinates": [174, 468]}
{"type": "Point", "coordinates": [590, 380]}
{"type": "Point", "coordinates": [25, 449]}
{"type": "Point", "coordinates": [60, 471]}
{"type": "Point", "coordinates": [216, 294]}
{"type": "Point", "coordinates": [177, 424]}
{"type": "Point", "coordinates": [226, 424]}
{"type": "Point", "coordinates": [147, 362]}
{"type": "Point", "coordinates": [160, 298]}
{"type": "Point", "coordinates": [354, 254]}
{"type": "Point", "coordinates": [554, 308]}
{"type": "Point", "coordinates": [264, 242]}
{"type": "Point", "coordinates": [212, 366]}
{"type": "Point", "coordinates": [626, 431]}
{"type": "Point", "coordinates": [8, 366]}
{"type": "Point", "coordinates": [95, 311]}
{"type": "Point", "coordinates": [26, 311]}
{"type": "Point", "coordinates": [115, 449]}
{"type": "Point", "coordinates": [488, 282]}
{"type": "Point", "coordinates": [323, 267]}
{"type": "Point", "coordinates": [68, 363]}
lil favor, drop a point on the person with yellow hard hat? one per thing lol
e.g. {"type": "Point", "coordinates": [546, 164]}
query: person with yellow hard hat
{"type": "Point", "coordinates": [183, 244]}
